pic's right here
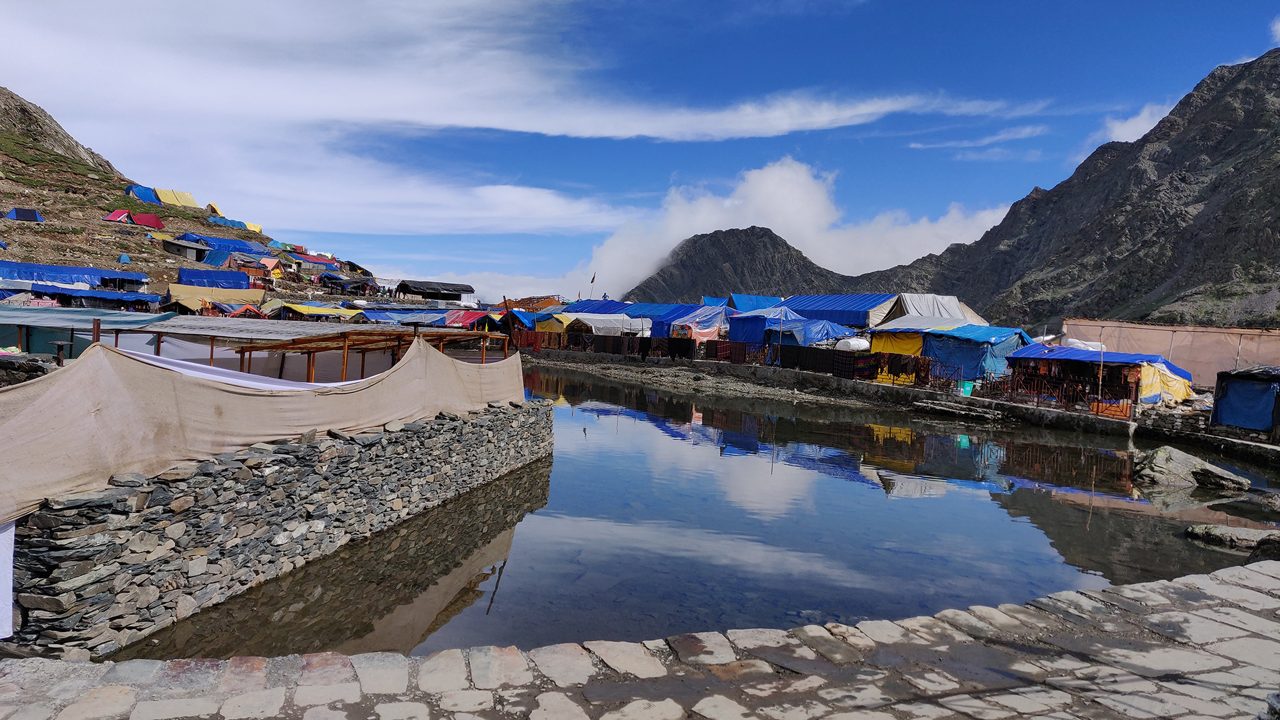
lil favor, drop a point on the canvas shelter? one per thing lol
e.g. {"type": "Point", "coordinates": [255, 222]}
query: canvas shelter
{"type": "Point", "coordinates": [253, 227]}
{"type": "Point", "coordinates": [143, 194]}
{"type": "Point", "coordinates": [464, 318]}
{"type": "Point", "coordinates": [194, 297]}
{"type": "Point", "coordinates": [294, 311]}
{"type": "Point", "coordinates": [746, 303]}
{"type": "Point", "coordinates": [178, 198]}
{"type": "Point", "coordinates": [972, 352]}
{"type": "Point", "coordinates": [226, 222]}
{"type": "Point", "coordinates": [95, 298]}
{"type": "Point", "coordinates": [403, 317]}
{"type": "Point", "coordinates": [227, 244]}
{"type": "Point", "coordinates": [117, 216]}
{"type": "Point", "coordinates": [552, 322]}
{"type": "Point", "coordinates": [606, 324]}
{"type": "Point", "coordinates": [24, 215]}
{"type": "Point", "coordinates": [434, 290]}
{"type": "Point", "coordinates": [166, 412]}
{"type": "Point", "coordinates": [214, 209]}
{"type": "Point", "coordinates": [85, 277]}
{"type": "Point", "coordinates": [150, 220]}
{"type": "Point", "coordinates": [229, 279]}
{"type": "Point", "coordinates": [859, 310]}
{"type": "Point", "coordinates": [1249, 399]}
{"type": "Point", "coordinates": [750, 326]}
{"type": "Point", "coordinates": [715, 301]}
{"type": "Point", "coordinates": [1159, 379]}
{"type": "Point", "coordinates": [33, 329]}
{"type": "Point", "coordinates": [660, 313]}
{"type": "Point", "coordinates": [931, 306]}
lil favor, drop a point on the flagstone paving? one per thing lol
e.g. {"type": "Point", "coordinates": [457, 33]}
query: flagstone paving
{"type": "Point", "coordinates": [1198, 647]}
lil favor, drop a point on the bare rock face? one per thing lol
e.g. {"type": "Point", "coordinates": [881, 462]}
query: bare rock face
{"type": "Point", "coordinates": [28, 121]}
{"type": "Point", "coordinates": [1170, 467]}
{"type": "Point", "coordinates": [1237, 538]}
{"type": "Point", "coordinates": [752, 260]}
{"type": "Point", "coordinates": [1178, 226]}
{"type": "Point", "coordinates": [1268, 548]}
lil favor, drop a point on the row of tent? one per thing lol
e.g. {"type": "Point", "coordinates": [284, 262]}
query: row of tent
{"type": "Point", "coordinates": [179, 198]}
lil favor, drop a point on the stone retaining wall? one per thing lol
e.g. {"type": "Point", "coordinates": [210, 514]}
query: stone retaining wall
{"type": "Point", "coordinates": [97, 571]}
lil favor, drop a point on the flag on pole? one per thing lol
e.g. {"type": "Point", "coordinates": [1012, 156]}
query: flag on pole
{"type": "Point", "coordinates": [593, 278]}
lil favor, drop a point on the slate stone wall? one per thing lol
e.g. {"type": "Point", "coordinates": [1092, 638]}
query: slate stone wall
{"type": "Point", "coordinates": [16, 369]}
{"type": "Point", "coordinates": [98, 571]}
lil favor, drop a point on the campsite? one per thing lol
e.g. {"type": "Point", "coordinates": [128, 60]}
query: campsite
{"type": "Point", "coordinates": [629, 361]}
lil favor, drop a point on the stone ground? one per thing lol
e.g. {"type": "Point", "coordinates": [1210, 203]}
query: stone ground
{"type": "Point", "coordinates": [1202, 646]}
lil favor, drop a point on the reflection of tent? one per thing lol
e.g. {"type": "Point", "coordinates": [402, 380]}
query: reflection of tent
{"type": "Point", "coordinates": [750, 326]}
{"type": "Point", "coordinates": [143, 193]}
{"type": "Point", "coordinates": [24, 214]}
{"type": "Point", "coordinates": [863, 310]}
{"type": "Point", "coordinates": [1249, 399]}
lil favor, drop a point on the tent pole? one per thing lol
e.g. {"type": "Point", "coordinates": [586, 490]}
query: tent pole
{"type": "Point", "coordinates": [484, 346]}
{"type": "Point", "coordinates": [346, 342]}
{"type": "Point", "coordinates": [280, 373]}
{"type": "Point", "coordinates": [97, 330]}
{"type": "Point", "coordinates": [117, 341]}
{"type": "Point", "coordinates": [240, 352]}
{"type": "Point", "coordinates": [211, 351]}
{"type": "Point", "coordinates": [159, 342]}
{"type": "Point", "coordinates": [22, 334]}
{"type": "Point", "coordinates": [505, 352]}
{"type": "Point", "coordinates": [249, 364]}
{"type": "Point", "coordinates": [363, 353]}
{"type": "Point", "coordinates": [311, 367]}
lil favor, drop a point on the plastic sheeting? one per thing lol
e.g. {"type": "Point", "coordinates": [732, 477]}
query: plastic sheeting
{"type": "Point", "coordinates": [860, 310]}
{"type": "Point", "coordinates": [226, 222]}
{"type": "Point", "coordinates": [109, 295]}
{"type": "Point", "coordinates": [228, 244]}
{"type": "Point", "coordinates": [898, 343]}
{"type": "Point", "coordinates": [750, 326]}
{"type": "Point", "coordinates": [965, 358]}
{"type": "Point", "coordinates": [938, 306]}
{"type": "Point", "coordinates": [143, 193]}
{"type": "Point", "coordinates": [229, 279]}
{"type": "Point", "coordinates": [1248, 403]}
{"type": "Point", "coordinates": [805, 332]}
{"type": "Point", "coordinates": [191, 296]}
{"type": "Point", "coordinates": [705, 323]}
{"type": "Point", "coordinates": [598, 307]}
{"type": "Point", "coordinates": [611, 325]}
{"type": "Point", "coordinates": [714, 301]}
{"type": "Point", "coordinates": [77, 318]}
{"type": "Point", "coordinates": [1059, 352]}
{"type": "Point", "coordinates": [67, 274]}
{"type": "Point", "coordinates": [109, 413]}
{"type": "Point", "coordinates": [746, 303]}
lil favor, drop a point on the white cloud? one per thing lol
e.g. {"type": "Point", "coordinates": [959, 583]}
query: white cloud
{"type": "Point", "coordinates": [1275, 29]}
{"type": "Point", "coordinates": [1124, 129]}
{"type": "Point", "coordinates": [788, 196]}
{"type": "Point", "coordinates": [1021, 132]}
{"type": "Point", "coordinates": [255, 104]}
{"type": "Point", "coordinates": [998, 154]}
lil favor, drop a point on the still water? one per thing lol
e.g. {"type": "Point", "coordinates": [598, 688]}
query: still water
{"type": "Point", "coordinates": [660, 514]}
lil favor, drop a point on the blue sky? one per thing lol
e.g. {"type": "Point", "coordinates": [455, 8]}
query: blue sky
{"type": "Point", "coordinates": [523, 146]}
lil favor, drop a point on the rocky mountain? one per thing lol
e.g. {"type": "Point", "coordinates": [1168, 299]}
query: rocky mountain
{"type": "Point", "coordinates": [26, 121]}
{"type": "Point", "coordinates": [751, 260]}
{"type": "Point", "coordinates": [1179, 226]}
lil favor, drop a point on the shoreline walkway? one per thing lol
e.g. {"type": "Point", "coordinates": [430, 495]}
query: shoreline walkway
{"type": "Point", "coordinates": [1196, 647]}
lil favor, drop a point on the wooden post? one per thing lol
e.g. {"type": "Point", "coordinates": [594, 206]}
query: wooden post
{"type": "Point", "coordinates": [362, 355]}
{"type": "Point", "coordinates": [159, 342]}
{"type": "Point", "coordinates": [346, 343]}
{"type": "Point", "coordinates": [240, 352]}
{"type": "Point", "coordinates": [505, 351]}
{"type": "Point", "coordinates": [311, 367]}
{"type": "Point", "coordinates": [97, 330]}
{"type": "Point", "coordinates": [280, 372]}
{"type": "Point", "coordinates": [22, 337]}
{"type": "Point", "coordinates": [117, 340]}
{"type": "Point", "coordinates": [210, 351]}
{"type": "Point", "coordinates": [484, 346]}
{"type": "Point", "coordinates": [248, 367]}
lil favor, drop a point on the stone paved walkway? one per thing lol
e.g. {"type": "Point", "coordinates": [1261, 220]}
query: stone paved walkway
{"type": "Point", "coordinates": [1203, 646]}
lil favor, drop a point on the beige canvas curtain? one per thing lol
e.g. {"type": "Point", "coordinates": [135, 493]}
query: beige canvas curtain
{"type": "Point", "coordinates": [108, 413]}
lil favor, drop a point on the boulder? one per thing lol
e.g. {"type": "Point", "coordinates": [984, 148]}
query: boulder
{"type": "Point", "coordinates": [1238, 538]}
{"type": "Point", "coordinates": [1268, 548]}
{"type": "Point", "coordinates": [1170, 467]}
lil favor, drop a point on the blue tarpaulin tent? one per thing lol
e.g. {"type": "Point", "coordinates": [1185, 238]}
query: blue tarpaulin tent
{"type": "Point", "coordinates": [228, 244]}
{"type": "Point", "coordinates": [750, 327]}
{"type": "Point", "coordinates": [24, 214]}
{"type": "Point", "coordinates": [396, 317]}
{"type": "Point", "coordinates": [143, 193]}
{"type": "Point", "coordinates": [1037, 351]}
{"type": "Point", "coordinates": [598, 307]}
{"type": "Point", "coordinates": [526, 319]}
{"type": "Point", "coordinates": [802, 332]}
{"type": "Point", "coordinates": [973, 350]}
{"type": "Point", "coordinates": [746, 303]}
{"type": "Point", "coordinates": [229, 279]}
{"type": "Point", "coordinates": [93, 277]}
{"type": "Point", "coordinates": [216, 258]}
{"type": "Point", "coordinates": [1248, 399]}
{"type": "Point", "coordinates": [851, 310]}
{"type": "Point", "coordinates": [661, 314]}
{"type": "Point", "coordinates": [714, 301]}
{"type": "Point", "coordinates": [226, 222]}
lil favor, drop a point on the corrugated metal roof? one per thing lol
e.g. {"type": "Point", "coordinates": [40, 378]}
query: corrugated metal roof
{"type": "Point", "coordinates": [842, 309]}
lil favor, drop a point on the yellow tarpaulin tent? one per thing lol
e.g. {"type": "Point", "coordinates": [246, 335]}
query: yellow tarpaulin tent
{"type": "Point", "coordinates": [191, 296]}
{"type": "Point", "coordinates": [1156, 380]}
{"type": "Point", "coordinates": [168, 197]}
{"type": "Point", "coordinates": [186, 199]}
{"type": "Point", "coordinates": [311, 310]}
{"type": "Point", "coordinates": [214, 209]}
{"type": "Point", "coordinates": [254, 227]}
{"type": "Point", "coordinates": [555, 323]}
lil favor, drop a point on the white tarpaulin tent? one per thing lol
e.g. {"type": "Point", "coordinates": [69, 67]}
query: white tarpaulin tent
{"type": "Point", "coordinates": [110, 413]}
{"type": "Point", "coordinates": [602, 324]}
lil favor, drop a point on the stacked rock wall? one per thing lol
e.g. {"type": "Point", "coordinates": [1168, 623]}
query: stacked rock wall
{"type": "Point", "coordinates": [16, 369]}
{"type": "Point", "coordinates": [97, 571]}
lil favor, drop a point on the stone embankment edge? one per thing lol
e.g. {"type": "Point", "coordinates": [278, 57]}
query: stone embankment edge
{"type": "Point", "coordinates": [97, 571]}
{"type": "Point", "coordinates": [1197, 646]}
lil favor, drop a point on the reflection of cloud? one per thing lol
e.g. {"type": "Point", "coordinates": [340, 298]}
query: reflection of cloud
{"type": "Point", "coordinates": [738, 552]}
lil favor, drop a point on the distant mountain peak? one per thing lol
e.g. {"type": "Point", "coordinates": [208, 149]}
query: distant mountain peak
{"type": "Point", "coordinates": [29, 122]}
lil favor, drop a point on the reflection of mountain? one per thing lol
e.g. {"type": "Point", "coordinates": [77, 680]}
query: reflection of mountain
{"type": "Point", "coordinates": [384, 593]}
{"type": "Point", "coordinates": [1112, 537]}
